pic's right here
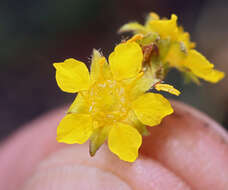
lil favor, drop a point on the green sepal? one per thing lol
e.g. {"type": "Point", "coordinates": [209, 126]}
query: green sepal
{"type": "Point", "coordinates": [164, 46]}
{"type": "Point", "coordinates": [142, 129]}
{"type": "Point", "coordinates": [98, 138]}
{"type": "Point", "coordinates": [190, 77]}
{"type": "Point", "coordinates": [134, 27]}
{"type": "Point", "coordinates": [149, 38]}
{"type": "Point", "coordinates": [79, 104]}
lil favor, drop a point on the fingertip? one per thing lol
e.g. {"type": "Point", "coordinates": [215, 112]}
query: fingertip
{"type": "Point", "coordinates": [191, 145]}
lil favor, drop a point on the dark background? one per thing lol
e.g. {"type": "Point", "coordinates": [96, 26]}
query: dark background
{"type": "Point", "coordinates": [34, 34]}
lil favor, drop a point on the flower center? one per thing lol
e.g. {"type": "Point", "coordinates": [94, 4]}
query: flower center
{"type": "Point", "coordinates": [108, 100]}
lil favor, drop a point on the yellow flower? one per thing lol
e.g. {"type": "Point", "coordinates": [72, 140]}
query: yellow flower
{"type": "Point", "coordinates": [194, 63]}
{"type": "Point", "coordinates": [175, 47]}
{"type": "Point", "coordinates": [111, 103]}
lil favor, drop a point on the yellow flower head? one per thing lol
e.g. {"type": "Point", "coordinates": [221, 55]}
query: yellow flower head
{"type": "Point", "coordinates": [175, 47]}
{"type": "Point", "coordinates": [111, 102]}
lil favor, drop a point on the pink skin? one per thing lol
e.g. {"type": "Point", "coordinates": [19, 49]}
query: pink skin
{"type": "Point", "coordinates": [187, 151]}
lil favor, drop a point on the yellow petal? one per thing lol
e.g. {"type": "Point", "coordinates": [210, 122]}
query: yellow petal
{"type": "Point", "coordinates": [175, 56]}
{"type": "Point", "coordinates": [151, 16]}
{"type": "Point", "coordinates": [74, 128]}
{"type": "Point", "coordinates": [197, 62]}
{"type": "Point", "coordinates": [124, 141]}
{"type": "Point", "coordinates": [165, 28]}
{"type": "Point", "coordinates": [185, 38]}
{"type": "Point", "coordinates": [79, 105]}
{"type": "Point", "coordinates": [126, 60]}
{"type": "Point", "coordinates": [167, 88]}
{"type": "Point", "coordinates": [215, 76]}
{"type": "Point", "coordinates": [154, 15]}
{"type": "Point", "coordinates": [201, 67]}
{"type": "Point", "coordinates": [133, 27]}
{"type": "Point", "coordinates": [151, 108]}
{"type": "Point", "coordinates": [72, 76]}
{"type": "Point", "coordinates": [99, 67]}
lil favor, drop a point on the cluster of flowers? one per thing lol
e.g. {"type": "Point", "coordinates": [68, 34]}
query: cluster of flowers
{"type": "Point", "coordinates": [114, 101]}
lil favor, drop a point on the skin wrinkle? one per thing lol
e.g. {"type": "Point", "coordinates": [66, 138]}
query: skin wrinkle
{"type": "Point", "coordinates": [72, 170]}
{"type": "Point", "coordinates": [123, 170]}
{"type": "Point", "coordinates": [45, 164]}
{"type": "Point", "coordinates": [170, 169]}
{"type": "Point", "coordinates": [164, 174]}
{"type": "Point", "coordinates": [174, 172]}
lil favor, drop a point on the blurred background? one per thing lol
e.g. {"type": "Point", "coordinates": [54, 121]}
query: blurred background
{"type": "Point", "coordinates": [34, 34]}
